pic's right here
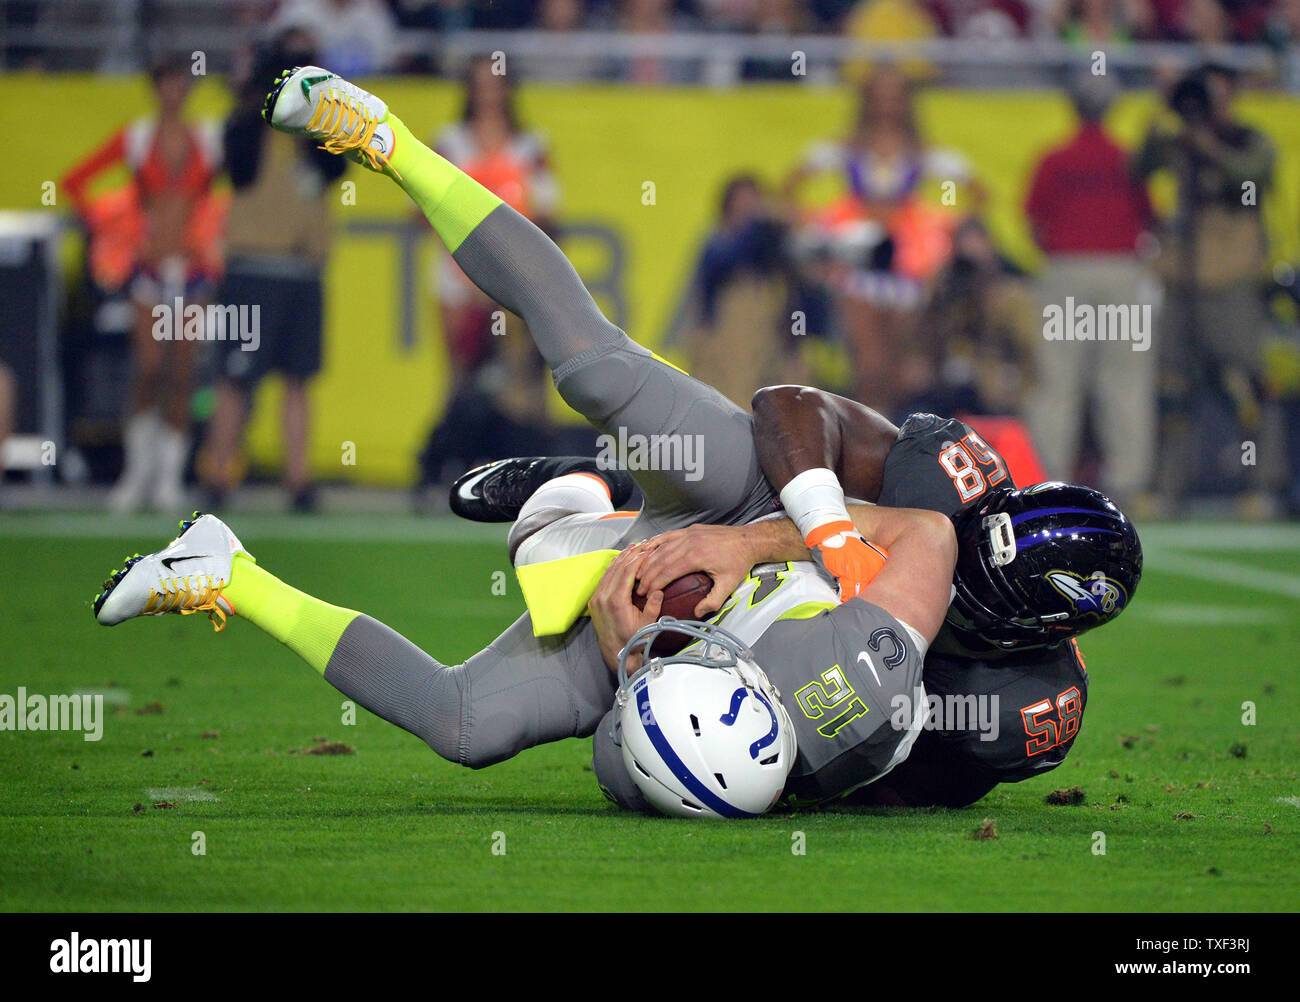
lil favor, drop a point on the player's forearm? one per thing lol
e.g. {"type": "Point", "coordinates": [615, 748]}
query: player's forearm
{"type": "Point", "coordinates": [887, 526]}
{"type": "Point", "coordinates": [916, 582]}
{"type": "Point", "coordinates": [800, 428]}
{"type": "Point", "coordinates": [802, 437]}
{"type": "Point", "coordinates": [775, 540]}
{"type": "Point", "coordinates": [795, 430]}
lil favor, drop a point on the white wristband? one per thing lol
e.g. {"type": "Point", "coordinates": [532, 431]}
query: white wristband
{"type": "Point", "coordinates": [814, 498]}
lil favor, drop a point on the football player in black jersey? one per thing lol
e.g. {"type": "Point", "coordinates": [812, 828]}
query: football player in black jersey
{"type": "Point", "coordinates": [1036, 567]}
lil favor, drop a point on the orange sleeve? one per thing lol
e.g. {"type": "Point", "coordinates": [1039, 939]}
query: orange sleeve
{"type": "Point", "coordinates": [78, 178]}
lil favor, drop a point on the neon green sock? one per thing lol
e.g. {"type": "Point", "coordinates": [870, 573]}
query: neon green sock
{"type": "Point", "coordinates": [307, 626]}
{"type": "Point", "coordinates": [452, 201]}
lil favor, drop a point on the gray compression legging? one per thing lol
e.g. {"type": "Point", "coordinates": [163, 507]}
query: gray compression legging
{"type": "Point", "coordinates": [620, 387]}
{"type": "Point", "coordinates": [522, 690]}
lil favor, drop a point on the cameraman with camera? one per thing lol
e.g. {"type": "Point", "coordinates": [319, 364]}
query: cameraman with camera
{"type": "Point", "coordinates": [1212, 260]}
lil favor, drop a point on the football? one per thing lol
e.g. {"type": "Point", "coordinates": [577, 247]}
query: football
{"type": "Point", "coordinates": [680, 598]}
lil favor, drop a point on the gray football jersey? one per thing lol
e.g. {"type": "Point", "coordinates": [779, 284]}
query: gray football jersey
{"type": "Point", "coordinates": [849, 675]}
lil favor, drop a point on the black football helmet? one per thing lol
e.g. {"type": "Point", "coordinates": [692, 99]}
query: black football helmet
{"type": "Point", "coordinates": [1039, 565]}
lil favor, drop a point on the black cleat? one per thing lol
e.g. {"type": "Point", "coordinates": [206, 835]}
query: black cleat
{"type": "Point", "coordinates": [496, 491]}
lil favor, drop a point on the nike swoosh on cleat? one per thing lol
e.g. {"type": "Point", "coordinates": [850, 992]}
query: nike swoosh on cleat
{"type": "Point", "coordinates": [168, 561]}
{"type": "Point", "coordinates": [467, 489]}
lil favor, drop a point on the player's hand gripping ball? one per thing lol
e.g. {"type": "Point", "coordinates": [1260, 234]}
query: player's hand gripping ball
{"type": "Point", "coordinates": [680, 599]}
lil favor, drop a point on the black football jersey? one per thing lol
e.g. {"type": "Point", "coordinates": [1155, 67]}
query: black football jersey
{"type": "Point", "coordinates": [941, 464]}
{"type": "Point", "coordinates": [989, 722]}
{"type": "Point", "coordinates": [999, 717]}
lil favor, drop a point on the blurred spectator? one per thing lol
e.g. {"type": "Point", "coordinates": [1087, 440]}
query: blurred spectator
{"type": "Point", "coordinates": [1283, 34]}
{"type": "Point", "coordinates": [990, 20]}
{"type": "Point", "coordinates": [887, 229]}
{"type": "Point", "coordinates": [1214, 22]}
{"type": "Point", "coordinates": [1092, 23]}
{"type": "Point", "coordinates": [445, 15]}
{"type": "Point", "coordinates": [559, 17]}
{"type": "Point", "coordinates": [738, 318]}
{"type": "Point", "coordinates": [1212, 260]}
{"type": "Point", "coordinates": [497, 393]}
{"type": "Point", "coordinates": [888, 21]}
{"type": "Point", "coordinates": [655, 17]}
{"type": "Point", "coordinates": [727, 15]}
{"type": "Point", "coordinates": [353, 37]}
{"type": "Point", "coordinates": [167, 227]}
{"type": "Point", "coordinates": [831, 15]}
{"type": "Point", "coordinates": [1283, 22]}
{"type": "Point", "coordinates": [1087, 214]}
{"type": "Point", "coordinates": [973, 348]}
{"type": "Point", "coordinates": [460, 15]}
{"type": "Point", "coordinates": [276, 268]}
{"type": "Point", "coordinates": [1204, 21]}
{"type": "Point", "coordinates": [782, 18]}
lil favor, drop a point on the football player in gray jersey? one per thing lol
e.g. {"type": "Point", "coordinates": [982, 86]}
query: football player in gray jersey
{"type": "Point", "coordinates": [840, 660]}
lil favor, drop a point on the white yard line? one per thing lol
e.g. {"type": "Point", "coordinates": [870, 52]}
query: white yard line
{"type": "Point", "coordinates": [179, 794]}
{"type": "Point", "coordinates": [1221, 536]}
{"type": "Point", "coordinates": [1186, 614]}
{"type": "Point", "coordinates": [1224, 572]}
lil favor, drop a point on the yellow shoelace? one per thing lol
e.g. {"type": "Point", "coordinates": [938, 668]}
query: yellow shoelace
{"type": "Point", "coordinates": [346, 128]}
{"type": "Point", "coordinates": [188, 595]}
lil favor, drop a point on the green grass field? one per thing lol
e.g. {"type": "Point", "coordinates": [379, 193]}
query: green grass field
{"type": "Point", "coordinates": [1200, 812]}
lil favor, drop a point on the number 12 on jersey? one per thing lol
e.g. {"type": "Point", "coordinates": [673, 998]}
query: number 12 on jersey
{"type": "Point", "coordinates": [832, 695]}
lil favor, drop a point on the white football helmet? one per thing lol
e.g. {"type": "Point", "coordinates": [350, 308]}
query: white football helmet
{"type": "Point", "coordinates": [703, 731]}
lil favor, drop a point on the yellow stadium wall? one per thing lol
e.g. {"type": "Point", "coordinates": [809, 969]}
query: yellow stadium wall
{"type": "Point", "coordinates": [606, 142]}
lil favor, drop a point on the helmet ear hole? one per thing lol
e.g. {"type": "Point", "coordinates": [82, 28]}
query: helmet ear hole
{"type": "Point", "coordinates": [721, 781]}
{"type": "Point", "coordinates": [695, 724]}
{"type": "Point", "coordinates": [770, 760]}
{"type": "Point", "coordinates": [1002, 539]}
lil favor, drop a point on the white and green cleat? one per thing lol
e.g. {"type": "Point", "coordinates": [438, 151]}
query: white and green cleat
{"type": "Point", "coordinates": [186, 577]}
{"type": "Point", "coordinates": [343, 118]}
